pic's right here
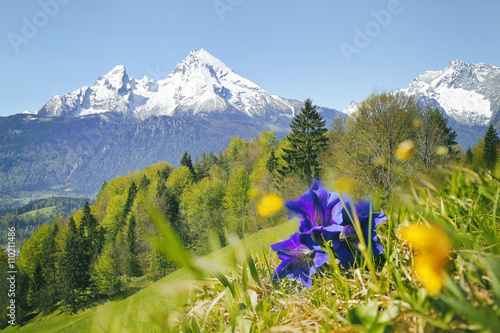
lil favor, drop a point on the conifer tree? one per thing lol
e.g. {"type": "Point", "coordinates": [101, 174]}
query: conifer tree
{"type": "Point", "coordinates": [491, 142]}
{"type": "Point", "coordinates": [75, 265]}
{"type": "Point", "coordinates": [144, 183]}
{"type": "Point", "coordinates": [133, 268]}
{"type": "Point", "coordinates": [84, 256]}
{"type": "Point", "coordinates": [132, 191]}
{"type": "Point", "coordinates": [307, 138]}
{"type": "Point", "coordinates": [36, 284]}
{"type": "Point", "coordinates": [91, 234]}
{"type": "Point", "coordinates": [48, 263]}
{"type": "Point", "coordinates": [171, 208]}
{"type": "Point", "coordinates": [188, 163]}
{"type": "Point", "coordinates": [164, 173]}
{"type": "Point", "coordinates": [202, 165]}
{"type": "Point", "coordinates": [431, 134]}
{"type": "Point", "coordinates": [272, 162]}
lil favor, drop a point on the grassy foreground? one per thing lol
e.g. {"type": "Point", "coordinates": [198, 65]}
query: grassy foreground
{"type": "Point", "coordinates": [404, 290]}
{"type": "Point", "coordinates": [142, 311]}
{"type": "Point", "coordinates": [448, 280]}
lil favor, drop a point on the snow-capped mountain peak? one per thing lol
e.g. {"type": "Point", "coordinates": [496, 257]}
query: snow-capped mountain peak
{"type": "Point", "coordinates": [202, 84]}
{"type": "Point", "coordinates": [467, 92]}
{"type": "Point", "coordinates": [353, 107]}
{"type": "Point", "coordinates": [116, 79]}
{"type": "Point", "coordinates": [111, 92]}
{"type": "Point", "coordinates": [206, 59]}
{"type": "Point", "coordinates": [199, 85]}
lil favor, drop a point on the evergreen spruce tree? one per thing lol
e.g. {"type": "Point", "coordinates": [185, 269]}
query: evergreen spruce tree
{"type": "Point", "coordinates": [442, 123]}
{"type": "Point", "coordinates": [188, 163]}
{"type": "Point", "coordinates": [84, 256]}
{"type": "Point", "coordinates": [48, 262]}
{"type": "Point", "coordinates": [272, 162]}
{"type": "Point", "coordinates": [144, 183]}
{"type": "Point", "coordinates": [307, 138]}
{"type": "Point", "coordinates": [132, 191]}
{"type": "Point", "coordinates": [164, 173]}
{"type": "Point", "coordinates": [74, 269]}
{"type": "Point", "coordinates": [91, 233]}
{"type": "Point", "coordinates": [491, 142]}
{"type": "Point", "coordinates": [202, 166]}
{"type": "Point", "coordinates": [171, 208]}
{"type": "Point", "coordinates": [37, 282]}
{"type": "Point", "coordinates": [133, 268]}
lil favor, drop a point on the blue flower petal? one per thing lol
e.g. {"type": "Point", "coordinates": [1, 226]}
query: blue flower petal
{"type": "Point", "coordinates": [346, 255]}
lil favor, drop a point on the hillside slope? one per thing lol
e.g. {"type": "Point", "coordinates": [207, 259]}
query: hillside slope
{"type": "Point", "coordinates": [133, 314]}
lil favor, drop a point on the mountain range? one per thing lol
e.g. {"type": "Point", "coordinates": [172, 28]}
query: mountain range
{"type": "Point", "coordinates": [78, 140]}
{"type": "Point", "coordinates": [200, 86]}
{"type": "Point", "coordinates": [468, 94]}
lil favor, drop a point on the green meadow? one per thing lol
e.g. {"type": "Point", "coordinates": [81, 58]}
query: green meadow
{"type": "Point", "coordinates": [138, 312]}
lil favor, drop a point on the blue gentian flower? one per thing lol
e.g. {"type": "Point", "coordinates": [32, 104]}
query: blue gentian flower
{"type": "Point", "coordinates": [345, 242]}
{"type": "Point", "coordinates": [327, 221]}
{"type": "Point", "coordinates": [300, 257]}
{"type": "Point", "coordinates": [317, 208]}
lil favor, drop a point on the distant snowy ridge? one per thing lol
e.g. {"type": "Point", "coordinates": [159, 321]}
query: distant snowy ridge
{"type": "Point", "coordinates": [200, 85]}
{"type": "Point", "coordinates": [469, 93]}
{"type": "Point", "coordinates": [353, 107]}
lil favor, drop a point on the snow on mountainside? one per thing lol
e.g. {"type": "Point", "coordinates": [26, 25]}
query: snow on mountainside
{"type": "Point", "coordinates": [468, 93]}
{"type": "Point", "coordinates": [353, 107]}
{"type": "Point", "coordinates": [200, 85]}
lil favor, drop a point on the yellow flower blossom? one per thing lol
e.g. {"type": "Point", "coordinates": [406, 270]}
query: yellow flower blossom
{"type": "Point", "coordinates": [430, 273]}
{"type": "Point", "coordinates": [404, 150]}
{"type": "Point", "coordinates": [269, 204]}
{"type": "Point", "coordinates": [431, 246]}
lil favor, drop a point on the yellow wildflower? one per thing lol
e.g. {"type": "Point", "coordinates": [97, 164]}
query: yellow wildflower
{"type": "Point", "coordinates": [431, 246]}
{"type": "Point", "coordinates": [269, 204]}
{"type": "Point", "coordinates": [404, 150]}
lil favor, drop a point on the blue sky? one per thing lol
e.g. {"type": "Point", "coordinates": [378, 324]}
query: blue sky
{"type": "Point", "coordinates": [293, 49]}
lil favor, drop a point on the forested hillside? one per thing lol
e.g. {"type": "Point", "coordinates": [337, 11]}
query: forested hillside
{"type": "Point", "coordinates": [28, 218]}
{"type": "Point", "coordinates": [105, 245]}
{"type": "Point", "coordinates": [74, 156]}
